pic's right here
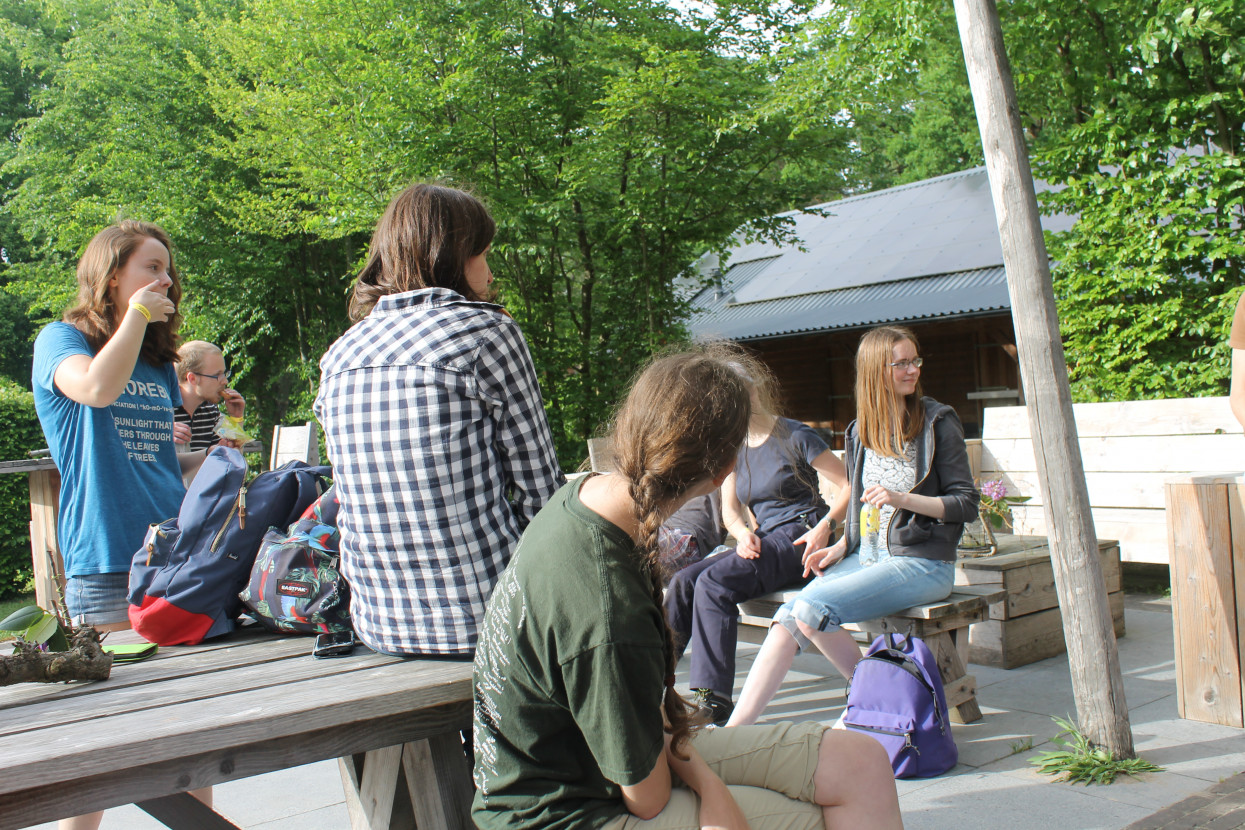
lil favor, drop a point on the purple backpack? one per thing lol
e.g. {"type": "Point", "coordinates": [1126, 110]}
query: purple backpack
{"type": "Point", "coordinates": [896, 696]}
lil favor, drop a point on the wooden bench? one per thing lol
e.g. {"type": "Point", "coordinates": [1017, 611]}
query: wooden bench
{"type": "Point", "coordinates": [942, 625]}
{"type": "Point", "coordinates": [1129, 449]}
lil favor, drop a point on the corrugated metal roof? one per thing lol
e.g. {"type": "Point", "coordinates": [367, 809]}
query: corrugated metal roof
{"type": "Point", "coordinates": [945, 295]}
{"type": "Point", "coordinates": [922, 250]}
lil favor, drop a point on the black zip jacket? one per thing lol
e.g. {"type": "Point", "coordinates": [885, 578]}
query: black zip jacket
{"type": "Point", "coordinates": [942, 470]}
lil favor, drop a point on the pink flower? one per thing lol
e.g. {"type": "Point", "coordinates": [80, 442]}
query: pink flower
{"type": "Point", "coordinates": [994, 490]}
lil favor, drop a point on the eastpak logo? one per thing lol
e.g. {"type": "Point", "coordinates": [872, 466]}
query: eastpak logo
{"type": "Point", "coordinates": [293, 588]}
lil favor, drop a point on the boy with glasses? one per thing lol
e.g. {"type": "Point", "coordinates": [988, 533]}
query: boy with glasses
{"type": "Point", "coordinates": [204, 382]}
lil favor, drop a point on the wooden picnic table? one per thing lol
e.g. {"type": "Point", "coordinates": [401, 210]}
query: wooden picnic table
{"type": "Point", "coordinates": [248, 703]}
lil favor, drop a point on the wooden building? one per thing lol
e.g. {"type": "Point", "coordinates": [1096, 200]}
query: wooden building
{"type": "Point", "coordinates": [925, 255]}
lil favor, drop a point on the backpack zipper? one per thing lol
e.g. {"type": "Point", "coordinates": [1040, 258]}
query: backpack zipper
{"type": "Point", "coordinates": [239, 502]}
{"type": "Point", "coordinates": [881, 730]}
{"type": "Point", "coordinates": [151, 546]}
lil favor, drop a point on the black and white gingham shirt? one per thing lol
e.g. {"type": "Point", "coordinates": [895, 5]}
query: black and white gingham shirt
{"type": "Point", "coordinates": [441, 455]}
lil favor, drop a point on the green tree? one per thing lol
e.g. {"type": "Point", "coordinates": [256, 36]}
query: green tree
{"type": "Point", "coordinates": [1147, 279]}
{"type": "Point", "coordinates": [123, 127]}
{"type": "Point", "coordinates": [613, 142]}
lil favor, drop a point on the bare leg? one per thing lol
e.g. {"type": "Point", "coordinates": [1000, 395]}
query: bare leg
{"type": "Point", "coordinates": [771, 666]}
{"type": "Point", "coordinates": [838, 646]}
{"type": "Point", "coordinates": [855, 784]}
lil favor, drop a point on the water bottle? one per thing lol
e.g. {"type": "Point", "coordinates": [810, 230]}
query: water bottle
{"type": "Point", "coordinates": [870, 524]}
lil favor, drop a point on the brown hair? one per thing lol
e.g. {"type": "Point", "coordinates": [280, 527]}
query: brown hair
{"type": "Point", "coordinates": [884, 422]}
{"type": "Point", "coordinates": [682, 422]}
{"type": "Point", "coordinates": [423, 240]}
{"type": "Point", "coordinates": [95, 314]}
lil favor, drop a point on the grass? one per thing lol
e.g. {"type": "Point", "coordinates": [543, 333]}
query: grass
{"type": "Point", "coordinates": [11, 604]}
{"type": "Point", "coordinates": [1081, 762]}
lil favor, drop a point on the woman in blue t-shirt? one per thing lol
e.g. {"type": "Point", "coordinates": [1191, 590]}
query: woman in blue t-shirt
{"type": "Point", "coordinates": [913, 488]}
{"type": "Point", "coordinates": [776, 481]}
{"type": "Point", "coordinates": [105, 388]}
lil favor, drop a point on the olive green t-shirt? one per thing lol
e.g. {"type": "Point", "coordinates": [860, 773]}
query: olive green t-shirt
{"type": "Point", "coordinates": [569, 675]}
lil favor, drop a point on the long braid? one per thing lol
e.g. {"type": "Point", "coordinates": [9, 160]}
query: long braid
{"type": "Point", "coordinates": [682, 423]}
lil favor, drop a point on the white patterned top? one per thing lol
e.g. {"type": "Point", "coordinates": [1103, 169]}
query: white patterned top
{"type": "Point", "coordinates": [898, 474]}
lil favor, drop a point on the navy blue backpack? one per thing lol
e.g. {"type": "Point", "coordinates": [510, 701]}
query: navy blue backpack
{"type": "Point", "coordinates": [185, 579]}
{"type": "Point", "coordinates": [896, 696]}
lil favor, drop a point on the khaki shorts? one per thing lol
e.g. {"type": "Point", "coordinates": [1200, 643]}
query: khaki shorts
{"type": "Point", "coordinates": [769, 770]}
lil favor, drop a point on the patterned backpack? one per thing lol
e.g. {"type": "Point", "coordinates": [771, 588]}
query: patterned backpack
{"type": "Point", "coordinates": [295, 585]}
{"type": "Point", "coordinates": [896, 696]}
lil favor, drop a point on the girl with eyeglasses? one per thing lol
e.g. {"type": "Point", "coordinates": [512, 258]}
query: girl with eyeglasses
{"type": "Point", "coordinates": [913, 487]}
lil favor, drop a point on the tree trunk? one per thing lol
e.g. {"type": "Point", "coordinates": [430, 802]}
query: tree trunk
{"type": "Point", "coordinates": [1097, 682]}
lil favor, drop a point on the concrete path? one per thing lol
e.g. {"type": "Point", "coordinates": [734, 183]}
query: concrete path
{"type": "Point", "coordinates": [993, 786]}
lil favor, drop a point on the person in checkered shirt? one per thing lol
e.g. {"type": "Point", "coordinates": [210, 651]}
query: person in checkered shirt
{"type": "Point", "coordinates": [435, 427]}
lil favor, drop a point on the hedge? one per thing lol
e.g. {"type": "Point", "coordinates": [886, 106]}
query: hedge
{"type": "Point", "coordinates": [20, 434]}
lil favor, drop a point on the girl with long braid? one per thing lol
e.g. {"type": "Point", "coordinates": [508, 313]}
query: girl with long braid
{"type": "Point", "coordinates": [577, 724]}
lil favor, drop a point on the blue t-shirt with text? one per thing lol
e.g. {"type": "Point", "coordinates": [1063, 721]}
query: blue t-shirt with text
{"type": "Point", "coordinates": [118, 466]}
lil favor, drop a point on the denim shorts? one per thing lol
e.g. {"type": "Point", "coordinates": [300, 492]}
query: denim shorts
{"type": "Point", "coordinates": [98, 599]}
{"type": "Point", "coordinates": [850, 592]}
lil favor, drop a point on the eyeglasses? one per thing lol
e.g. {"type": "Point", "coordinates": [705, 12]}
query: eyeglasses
{"type": "Point", "coordinates": [903, 365]}
{"type": "Point", "coordinates": [225, 375]}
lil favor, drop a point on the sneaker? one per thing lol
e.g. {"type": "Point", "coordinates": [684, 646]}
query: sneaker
{"type": "Point", "coordinates": [712, 706]}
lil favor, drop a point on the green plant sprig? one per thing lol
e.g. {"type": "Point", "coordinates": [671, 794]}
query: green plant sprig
{"type": "Point", "coordinates": [1082, 762]}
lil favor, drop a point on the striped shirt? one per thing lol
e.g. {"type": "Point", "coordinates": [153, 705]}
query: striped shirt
{"type": "Point", "coordinates": [441, 454]}
{"type": "Point", "coordinates": [202, 425]}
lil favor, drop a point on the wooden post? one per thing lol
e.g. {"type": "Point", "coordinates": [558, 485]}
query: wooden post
{"type": "Point", "coordinates": [1097, 683]}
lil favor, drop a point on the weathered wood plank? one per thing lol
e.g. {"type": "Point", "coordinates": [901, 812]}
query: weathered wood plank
{"type": "Point", "coordinates": [1141, 533]}
{"type": "Point", "coordinates": [1128, 490]}
{"type": "Point", "coordinates": [1125, 454]}
{"type": "Point", "coordinates": [439, 781]}
{"type": "Point", "coordinates": [169, 663]}
{"type": "Point", "coordinates": [369, 802]}
{"type": "Point", "coordinates": [1028, 579]}
{"type": "Point", "coordinates": [139, 697]}
{"type": "Point", "coordinates": [48, 567]}
{"type": "Point", "coordinates": [122, 784]}
{"type": "Point", "coordinates": [185, 812]}
{"type": "Point", "coordinates": [1023, 640]}
{"type": "Point", "coordinates": [174, 731]}
{"type": "Point", "coordinates": [1173, 416]}
{"type": "Point", "coordinates": [27, 465]}
{"type": "Point", "coordinates": [1208, 684]}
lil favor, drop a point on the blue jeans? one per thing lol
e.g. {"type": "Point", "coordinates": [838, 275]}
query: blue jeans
{"type": "Point", "coordinates": [98, 599]}
{"type": "Point", "coordinates": [850, 592]}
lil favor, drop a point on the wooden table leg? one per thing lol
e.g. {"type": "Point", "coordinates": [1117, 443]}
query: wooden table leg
{"type": "Point", "coordinates": [439, 781]}
{"type": "Point", "coordinates": [438, 788]}
{"type": "Point", "coordinates": [370, 781]}
{"type": "Point", "coordinates": [959, 686]}
{"type": "Point", "coordinates": [182, 811]}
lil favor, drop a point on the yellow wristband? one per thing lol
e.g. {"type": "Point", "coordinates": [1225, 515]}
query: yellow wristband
{"type": "Point", "coordinates": [141, 309]}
